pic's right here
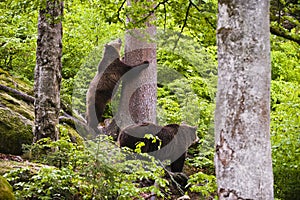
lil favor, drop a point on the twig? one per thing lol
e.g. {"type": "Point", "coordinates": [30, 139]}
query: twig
{"type": "Point", "coordinates": [285, 34]}
{"type": "Point", "coordinates": [152, 11]}
{"type": "Point", "coordinates": [184, 24]}
{"type": "Point", "coordinates": [119, 10]}
{"type": "Point", "coordinates": [172, 179]}
{"type": "Point", "coordinates": [206, 19]}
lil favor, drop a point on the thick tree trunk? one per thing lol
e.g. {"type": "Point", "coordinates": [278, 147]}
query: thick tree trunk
{"type": "Point", "coordinates": [242, 119]}
{"type": "Point", "coordinates": [139, 93]}
{"type": "Point", "coordinates": [48, 70]}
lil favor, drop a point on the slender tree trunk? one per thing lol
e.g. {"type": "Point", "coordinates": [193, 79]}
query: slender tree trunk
{"type": "Point", "coordinates": [48, 70]}
{"type": "Point", "coordinates": [242, 118]}
{"type": "Point", "coordinates": [139, 93]}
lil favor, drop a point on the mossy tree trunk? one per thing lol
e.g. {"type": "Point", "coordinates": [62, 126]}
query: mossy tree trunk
{"type": "Point", "coordinates": [48, 70]}
{"type": "Point", "coordinates": [139, 93]}
{"type": "Point", "coordinates": [242, 118]}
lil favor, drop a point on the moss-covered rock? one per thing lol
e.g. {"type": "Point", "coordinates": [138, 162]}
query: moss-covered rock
{"type": "Point", "coordinates": [15, 130]}
{"type": "Point", "coordinates": [15, 83]}
{"type": "Point", "coordinates": [19, 106]}
{"type": "Point", "coordinates": [17, 116]}
{"type": "Point", "coordinates": [74, 136]}
{"type": "Point", "coordinates": [6, 191]}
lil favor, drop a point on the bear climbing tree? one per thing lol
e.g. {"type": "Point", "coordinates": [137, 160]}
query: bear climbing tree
{"type": "Point", "coordinates": [110, 71]}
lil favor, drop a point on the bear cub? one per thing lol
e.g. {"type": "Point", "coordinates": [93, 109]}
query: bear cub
{"type": "Point", "coordinates": [110, 71]}
{"type": "Point", "coordinates": [175, 140]}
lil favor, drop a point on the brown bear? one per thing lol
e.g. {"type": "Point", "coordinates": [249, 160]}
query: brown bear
{"type": "Point", "coordinates": [110, 71]}
{"type": "Point", "coordinates": [172, 144]}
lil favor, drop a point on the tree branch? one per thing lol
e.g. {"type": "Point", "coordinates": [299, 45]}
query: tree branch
{"type": "Point", "coordinates": [184, 24]}
{"type": "Point", "coordinates": [20, 95]}
{"type": "Point", "coordinates": [186, 17]}
{"type": "Point", "coordinates": [206, 19]}
{"type": "Point", "coordinates": [197, 8]}
{"type": "Point", "coordinates": [285, 34]}
{"type": "Point", "coordinates": [82, 128]}
{"type": "Point", "coordinates": [119, 10]}
{"type": "Point", "coordinates": [152, 11]}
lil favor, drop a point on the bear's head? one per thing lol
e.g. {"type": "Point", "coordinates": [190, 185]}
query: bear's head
{"type": "Point", "coordinates": [188, 134]}
{"type": "Point", "coordinates": [112, 50]}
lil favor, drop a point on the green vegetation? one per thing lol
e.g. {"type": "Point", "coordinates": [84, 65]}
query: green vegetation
{"type": "Point", "coordinates": [187, 78]}
{"type": "Point", "coordinates": [99, 170]}
{"type": "Point", "coordinates": [6, 192]}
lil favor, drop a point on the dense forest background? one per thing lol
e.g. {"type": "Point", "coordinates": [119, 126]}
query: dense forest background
{"type": "Point", "coordinates": [187, 78]}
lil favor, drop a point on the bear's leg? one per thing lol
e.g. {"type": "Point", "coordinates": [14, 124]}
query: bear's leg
{"type": "Point", "coordinates": [99, 109]}
{"type": "Point", "coordinates": [177, 165]}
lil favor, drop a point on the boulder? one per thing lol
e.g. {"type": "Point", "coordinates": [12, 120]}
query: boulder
{"type": "Point", "coordinates": [15, 130]}
{"type": "Point", "coordinates": [6, 191]}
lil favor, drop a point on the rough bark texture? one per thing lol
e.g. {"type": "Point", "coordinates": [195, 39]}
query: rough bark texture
{"type": "Point", "coordinates": [242, 119]}
{"type": "Point", "coordinates": [48, 70]}
{"type": "Point", "coordinates": [138, 95]}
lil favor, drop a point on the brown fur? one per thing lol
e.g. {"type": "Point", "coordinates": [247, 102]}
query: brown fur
{"type": "Point", "coordinates": [175, 140]}
{"type": "Point", "coordinates": [110, 71]}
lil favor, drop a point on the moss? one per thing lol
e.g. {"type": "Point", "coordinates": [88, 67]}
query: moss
{"type": "Point", "coordinates": [7, 165]}
{"type": "Point", "coordinates": [18, 106]}
{"type": "Point", "coordinates": [74, 136]}
{"type": "Point", "coordinates": [3, 72]}
{"type": "Point", "coordinates": [17, 116]}
{"type": "Point", "coordinates": [15, 83]}
{"type": "Point", "coordinates": [15, 130]}
{"type": "Point", "coordinates": [6, 191]}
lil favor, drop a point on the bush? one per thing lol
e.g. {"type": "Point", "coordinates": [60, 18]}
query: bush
{"type": "Point", "coordinates": [99, 170]}
{"type": "Point", "coordinates": [285, 138]}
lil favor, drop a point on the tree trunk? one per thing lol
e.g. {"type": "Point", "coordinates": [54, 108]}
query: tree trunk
{"type": "Point", "coordinates": [48, 70]}
{"type": "Point", "coordinates": [242, 118]}
{"type": "Point", "coordinates": [139, 93]}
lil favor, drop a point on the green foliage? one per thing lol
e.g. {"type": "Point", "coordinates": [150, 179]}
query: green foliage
{"type": "Point", "coordinates": [285, 126]}
{"type": "Point", "coordinates": [169, 15]}
{"type": "Point", "coordinates": [48, 183]}
{"type": "Point", "coordinates": [285, 61]}
{"type": "Point", "coordinates": [203, 184]}
{"type": "Point", "coordinates": [187, 78]}
{"type": "Point", "coordinates": [285, 119]}
{"type": "Point", "coordinates": [284, 17]}
{"type": "Point", "coordinates": [99, 170]}
{"type": "Point", "coordinates": [18, 37]}
{"type": "Point", "coordinates": [154, 139]}
{"type": "Point", "coordinates": [203, 160]}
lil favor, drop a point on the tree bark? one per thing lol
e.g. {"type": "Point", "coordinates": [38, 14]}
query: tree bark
{"type": "Point", "coordinates": [242, 118]}
{"type": "Point", "coordinates": [139, 93]}
{"type": "Point", "coordinates": [48, 70]}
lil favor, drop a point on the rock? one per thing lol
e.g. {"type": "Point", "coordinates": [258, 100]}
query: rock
{"type": "Point", "coordinates": [15, 131]}
{"type": "Point", "coordinates": [17, 116]}
{"type": "Point", "coordinates": [6, 191]}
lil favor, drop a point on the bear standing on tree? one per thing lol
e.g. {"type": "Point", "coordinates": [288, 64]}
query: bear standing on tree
{"type": "Point", "coordinates": [110, 71]}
